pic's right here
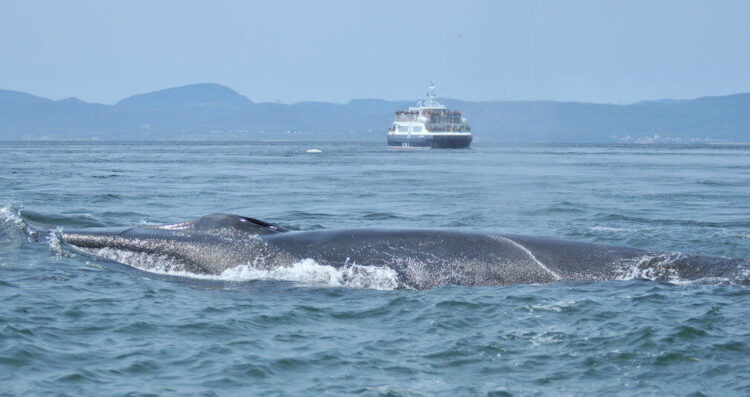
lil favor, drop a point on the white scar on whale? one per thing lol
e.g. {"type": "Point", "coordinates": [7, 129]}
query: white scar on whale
{"type": "Point", "coordinates": [555, 275]}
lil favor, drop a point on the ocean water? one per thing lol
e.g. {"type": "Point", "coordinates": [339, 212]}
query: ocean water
{"type": "Point", "coordinates": [71, 324]}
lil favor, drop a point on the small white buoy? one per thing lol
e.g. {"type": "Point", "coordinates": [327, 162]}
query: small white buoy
{"type": "Point", "coordinates": [313, 150]}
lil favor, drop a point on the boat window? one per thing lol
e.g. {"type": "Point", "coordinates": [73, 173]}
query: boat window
{"type": "Point", "coordinates": [418, 128]}
{"type": "Point", "coordinates": [403, 128]}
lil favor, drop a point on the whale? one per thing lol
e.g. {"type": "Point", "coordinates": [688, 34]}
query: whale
{"type": "Point", "coordinates": [419, 258]}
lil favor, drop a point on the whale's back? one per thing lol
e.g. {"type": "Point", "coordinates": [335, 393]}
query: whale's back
{"type": "Point", "coordinates": [421, 258]}
{"type": "Point", "coordinates": [215, 223]}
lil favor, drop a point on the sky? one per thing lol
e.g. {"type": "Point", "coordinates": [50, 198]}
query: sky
{"type": "Point", "coordinates": [284, 51]}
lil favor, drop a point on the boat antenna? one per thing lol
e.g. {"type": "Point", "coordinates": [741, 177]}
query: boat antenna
{"type": "Point", "coordinates": [430, 101]}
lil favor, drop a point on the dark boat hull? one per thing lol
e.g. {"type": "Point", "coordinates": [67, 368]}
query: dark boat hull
{"type": "Point", "coordinates": [435, 142]}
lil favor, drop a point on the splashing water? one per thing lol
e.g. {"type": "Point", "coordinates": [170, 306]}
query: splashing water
{"type": "Point", "coordinates": [306, 271]}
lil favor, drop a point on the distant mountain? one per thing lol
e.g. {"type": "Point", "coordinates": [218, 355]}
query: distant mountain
{"type": "Point", "coordinates": [72, 100]}
{"type": "Point", "coordinates": [207, 94]}
{"type": "Point", "coordinates": [212, 111]}
{"type": "Point", "coordinates": [15, 98]}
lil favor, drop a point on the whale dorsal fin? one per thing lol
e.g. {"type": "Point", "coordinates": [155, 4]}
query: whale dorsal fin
{"type": "Point", "coordinates": [225, 221]}
{"type": "Point", "coordinates": [262, 224]}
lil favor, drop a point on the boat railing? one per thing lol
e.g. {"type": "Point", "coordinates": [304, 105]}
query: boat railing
{"type": "Point", "coordinates": [448, 127]}
{"type": "Point", "coordinates": [407, 117]}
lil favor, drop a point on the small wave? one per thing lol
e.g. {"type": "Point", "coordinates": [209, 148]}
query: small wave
{"type": "Point", "coordinates": [609, 229]}
{"type": "Point", "coordinates": [306, 271]}
{"type": "Point", "coordinates": [53, 220]}
{"type": "Point", "coordinates": [709, 182]}
{"type": "Point", "coordinates": [560, 207]}
{"type": "Point", "coordinates": [381, 216]}
{"type": "Point", "coordinates": [10, 215]}
{"type": "Point", "coordinates": [605, 217]}
{"type": "Point", "coordinates": [12, 223]}
{"type": "Point", "coordinates": [313, 151]}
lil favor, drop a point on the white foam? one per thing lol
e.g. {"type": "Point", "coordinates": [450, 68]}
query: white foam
{"type": "Point", "coordinates": [11, 217]}
{"type": "Point", "coordinates": [313, 151]}
{"type": "Point", "coordinates": [11, 220]}
{"type": "Point", "coordinates": [8, 215]}
{"type": "Point", "coordinates": [55, 241]}
{"type": "Point", "coordinates": [661, 267]}
{"type": "Point", "coordinates": [306, 271]}
{"type": "Point", "coordinates": [645, 268]}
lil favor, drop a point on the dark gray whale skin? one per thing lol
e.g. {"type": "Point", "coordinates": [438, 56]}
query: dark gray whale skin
{"type": "Point", "coordinates": [421, 258]}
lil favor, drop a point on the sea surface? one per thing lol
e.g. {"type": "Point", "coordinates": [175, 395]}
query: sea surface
{"type": "Point", "coordinates": [73, 325]}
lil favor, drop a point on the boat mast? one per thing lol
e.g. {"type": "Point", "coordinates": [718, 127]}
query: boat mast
{"type": "Point", "coordinates": [431, 102]}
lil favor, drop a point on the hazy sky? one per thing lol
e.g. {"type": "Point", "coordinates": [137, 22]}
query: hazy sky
{"type": "Point", "coordinates": [597, 51]}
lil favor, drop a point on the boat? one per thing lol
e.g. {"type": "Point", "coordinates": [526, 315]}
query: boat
{"type": "Point", "coordinates": [429, 125]}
